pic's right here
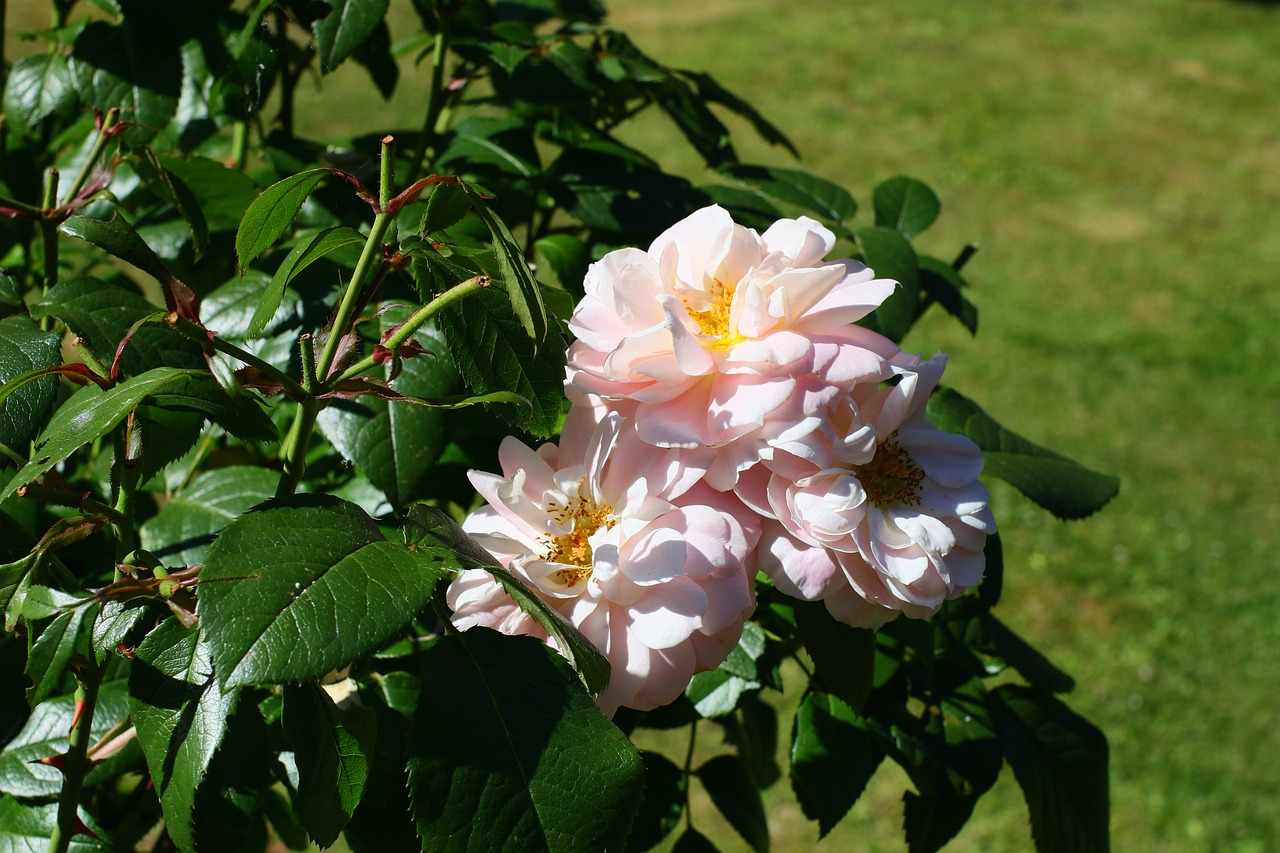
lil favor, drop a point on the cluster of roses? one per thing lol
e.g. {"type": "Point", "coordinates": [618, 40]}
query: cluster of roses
{"type": "Point", "coordinates": [727, 417]}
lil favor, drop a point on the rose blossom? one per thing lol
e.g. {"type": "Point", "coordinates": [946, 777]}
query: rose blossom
{"type": "Point", "coordinates": [717, 332]}
{"type": "Point", "coordinates": [608, 530]}
{"type": "Point", "coordinates": [879, 501]}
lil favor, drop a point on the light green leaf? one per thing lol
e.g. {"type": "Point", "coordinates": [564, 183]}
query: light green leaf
{"type": "Point", "coordinates": [302, 256]}
{"type": "Point", "coordinates": [1063, 487]}
{"type": "Point", "coordinates": [181, 716]}
{"type": "Point", "coordinates": [88, 415]}
{"type": "Point", "coordinates": [26, 827]}
{"type": "Point", "coordinates": [906, 205]}
{"type": "Point", "coordinates": [536, 749]}
{"type": "Point", "coordinates": [305, 585]}
{"type": "Point", "coordinates": [272, 212]}
{"type": "Point", "coordinates": [52, 650]}
{"type": "Point", "coordinates": [333, 747]}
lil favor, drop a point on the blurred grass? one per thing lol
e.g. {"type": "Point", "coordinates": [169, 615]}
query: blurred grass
{"type": "Point", "coordinates": [1119, 163]}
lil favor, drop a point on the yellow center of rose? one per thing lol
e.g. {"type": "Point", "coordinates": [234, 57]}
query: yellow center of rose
{"type": "Point", "coordinates": [891, 477]}
{"type": "Point", "coordinates": [574, 548]}
{"type": "Point", "coordinates": [713, 319]}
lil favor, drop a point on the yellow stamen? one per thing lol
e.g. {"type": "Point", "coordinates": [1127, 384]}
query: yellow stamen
{"type": "Point", "coordinates": [574, 548]}
{"type": "Point", "coordinates": [713, 320]}
{"type": "Point", "coordinates": [891, 477]}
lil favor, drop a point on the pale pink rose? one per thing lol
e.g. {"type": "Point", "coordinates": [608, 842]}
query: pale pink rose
{"type": "Point", "coordinates": [718, 333]}
{"type": "Point", "coordinates": [880, 494]}
{"type": "Point", "coordinates": [654, 571]}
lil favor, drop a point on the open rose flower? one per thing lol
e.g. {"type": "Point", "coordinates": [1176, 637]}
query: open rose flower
{"type": "Point", "coordinates": [717, 332]}
{"type": "Point", "coordinates": [878, 500]}
{"type": "Point", "coordinates": [608, 530]}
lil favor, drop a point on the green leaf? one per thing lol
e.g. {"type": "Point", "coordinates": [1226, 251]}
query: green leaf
{"type": "Point", "coordinates": [45, 735]}
{"type": "Point", "coordinates": [339, 33]}
{"type": "Point", "coordinates": [692, 841]}
{"type": "Point", "coordinates": [180, 534]}
{"type": "Point", "coordinates": [485, 145]}
{"type": "Point", "coordinates": [119, 238]}
{"type": "Point", "coordinates": [717, 692]}
{"type": "Point", "coordinates": [891, 256]}
{"type": "Point", "coordinates": [302, 256]}
{"type": "Point", "coordinates": [731, 788]}
{"type": "Point", "coordinates": [665, 787]}
{"type": "Point", "coordinates": [383, 822]}
{"type": "Point", "coordinates": [121, 66]}
{"type": "Point", "coordinates": [272, 213]}
{"type": "Point", "coordinates": [333, 747]}
{"type": "Point", "coordinates": [517, 279]}
{"type": "Point", "coordinates": [711, 91]}
{"type": "Point", "coordinates": [1060, 761]}
{"type": "Point", "coordinates": [88, 415]}
{"type": "Point", "coordinates": [25, 347]}
{"type": "Point", "coordinates": [228, 804]}
{"type": "Point", "coordinates": [374, 53]}
{"type": "Point", "coordinates": [568, 257]}
{"type": "Point", "coordinates": [241, 416]}
{"type": "Point", "coordinates": [494, 353]}
{"type": "Point", "coordinates": [832, 758]}
{"type": "Point", "coordinates": [396, 444]}
{"type": "Point", "coordinates": [844, 658]}
{"type": "Point", "coordinates": [536, 750]}
{"type": "Point", "coordinates": [829, 202]}
{"type": "Point", "coordinates": [1063, 487]}
{"type": "Point", "coordinates": [223, 194]}
{"type": "Point", "coordinates": [906, 205]}
{"type": "Point", "coordinates": [67, 634]}
{"type": "Point", "coordinates": [102, 313]}
{"type": "Point", "coordinates": [305, 585]}
{"type": "Point", "coordinates": [26, 828]}
{"type": "Point", "coordinates": [180, 713]}
{"type": "Point", "coordinates": [941, 283]}
{"type": "Point", "coordinates": [446, 206]}
{"type": "Point", "coordinates": [38, 86]}
{"type": "Point", "coordinates": [990, 636]}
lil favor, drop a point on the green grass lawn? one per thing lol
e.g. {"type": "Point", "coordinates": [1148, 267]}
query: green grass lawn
{"type": "Point", "coordinates": [1119, 163]}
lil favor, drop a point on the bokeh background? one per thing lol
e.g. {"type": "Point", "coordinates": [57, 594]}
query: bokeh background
{"type": "Point", "coordinates": [1118, 162]}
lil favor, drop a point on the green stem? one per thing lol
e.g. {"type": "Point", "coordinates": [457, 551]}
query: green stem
{"type": "Point", "coordinates": [435, 99]}
{"type": "Point", "coordinates": [239, 144]}
{"type": "Point", "coordinates": [25, 209]}
{"type": "Point", "coordinates": [369, 258]}
{"type": "Point", "coordinates": [198, 334]}
{"type": "Point", "coordinates": [415, 322]}
{"type": "Point", "coordinates": [110, 120]}
{"type": "Point", "coordinates": [293, 451]}
{"type": "Point", "coordinates": [688, 765]}
{"type": "Point", "coordinates": [49, 239]}
{"type": "Point", "coordinates": [74, 770]}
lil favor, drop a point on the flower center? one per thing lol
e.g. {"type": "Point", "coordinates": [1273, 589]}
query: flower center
{"type": "Point", "coordinates": [891, 477]}
{"type": "Point", "coordinates": [713, 319]}
{"type": "Point", "coordinates": [574, 548]}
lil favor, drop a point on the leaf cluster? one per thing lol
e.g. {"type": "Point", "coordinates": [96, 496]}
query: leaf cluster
{"type": "Point", "coordinates": [243, 374]}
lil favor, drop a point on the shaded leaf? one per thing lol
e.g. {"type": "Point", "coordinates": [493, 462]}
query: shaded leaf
{"type": "Point", "coordinates": [180, 713]}
{"type": "Point", "coordinates": [941, 283]}
{"type": "Point", "coordinates": [25, 347]}
{"type": "Point", "coordinates": [299, 258]}
{"type": "Point", "coordinates": [38, 86]}
{"type": "Point", "coordinates": [180, 534]}
{"type": "Point", "coordinates": [844, 658]}
{"type": "Point", "coordinates": [731, 788]}
{"type": "Point", "coordinates": [891, 256]}
{"type": "Point", "coordinates": [537, 747]}
{"type": "Point", "coordinates": [119, 238]}
{"type": "Point", "coordinates": [829, 202]}
{"type": "Point", "coordinates": [340, 33]}
{"type": "Point", "coordinates": [119, 66]}
{"type": "Point", "coordinates": [1063, 487]}
{"type": "Point", "coordinates": [333, 747]}
{"type": "Point", "coordinates": [67, 634]}
{"type": "Point", "coordinates": [1060, 761]}
{"type": "Point", "coordinates": [661, 806]}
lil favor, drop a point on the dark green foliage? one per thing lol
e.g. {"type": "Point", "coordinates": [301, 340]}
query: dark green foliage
{"type": "Point", "coordinates": [244, 372]}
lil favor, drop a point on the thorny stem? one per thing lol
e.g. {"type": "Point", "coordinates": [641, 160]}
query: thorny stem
{"type": "Point", "coordinates": [415, 322]}
{"type": "Point", "coordinates": [293, 451]}
{"type": "Point", "coordinates": [688, 763]}
{"type": "Point", "coordinates": [110, 120]}
{"type": "Point", "coordinates": [49, 238]}
{"type": "Point", "coordinates": [370, 257]}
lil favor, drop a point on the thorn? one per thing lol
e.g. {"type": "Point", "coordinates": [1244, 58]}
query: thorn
{"type": "Point", "coordinates": [56, 761]}
{"type": "Point", "coordinates": [75, 718]}
{"type": "Point", "coordinates": [78, 828]}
